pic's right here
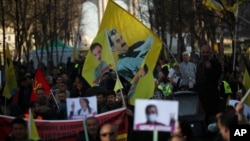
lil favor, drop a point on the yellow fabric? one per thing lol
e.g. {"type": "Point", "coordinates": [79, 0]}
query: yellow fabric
{"type": "Point", "coordinates": [91, 62]}
{"type": "Point", "coordinates": [32, 130]}
{"type": "Point", "coordinates": [122, 136]}
{"type": "Point", "coordinates": [167, 65]}
{"type": "Point", "coordinates": [246, 84]}
{"type": "Point", "coordinates": [118, 85]}
{"type": "Point", "coordinates": [132, 31]}
{"type": "Point", "coordinates": [6, 91]}
{"type": "Point", "coordinates": [213, 5]}
{"type": "Point", "coordinates": [166, 90]}
{"type": "Point", "coordinates": [227, 87]}
{"type": "Point", "coordinates": [10, 76]}
{"type": "Point", "coordinates": [233, 8]}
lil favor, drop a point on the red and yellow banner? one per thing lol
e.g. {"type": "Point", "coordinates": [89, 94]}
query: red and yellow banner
{"type": "Point", "coordinates": [67, 130]}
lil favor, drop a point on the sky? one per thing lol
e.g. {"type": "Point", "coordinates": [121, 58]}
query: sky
{"type": "Point", "coordinates": [89, 22]}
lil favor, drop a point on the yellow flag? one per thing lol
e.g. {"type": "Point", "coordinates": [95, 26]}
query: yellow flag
{"type": "Point", "coordinates": [6, 91]}
{"type": "Point", "coordinates": [143, 85]}
{"type": "Point", "coordinates": [128, 39]}
{"type": "Point", "coordinates": [233, 8]}
{"type": "Point", "coordinates": [134, 47]}
{"type": "Point", "coordinates": [98, 61]}
{"type": "Point", "coordinates": [75, 54]}
{"type": "Point", "coordinates": [246, 84]}
{"type": "Point", "coordinates": [246, 80]}
{"type": "Point", "coordinates": [32, 130]}
{"type": "Point", "coordinates": [213, 5]}
{"type": "Point", "coordinates": [118, 85]}
{"type": "Point", "coordinates": [10, 77]}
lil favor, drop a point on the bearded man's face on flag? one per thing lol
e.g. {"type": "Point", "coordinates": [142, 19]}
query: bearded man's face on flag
{"type": "Point", "coordinates": [119, 44]}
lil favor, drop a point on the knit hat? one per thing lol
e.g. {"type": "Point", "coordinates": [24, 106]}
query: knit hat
{"type": "Point", "coordinates": [164, 70]}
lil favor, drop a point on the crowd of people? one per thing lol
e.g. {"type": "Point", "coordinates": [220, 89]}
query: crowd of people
{"type": "Point", "coordinates": [66, 82]}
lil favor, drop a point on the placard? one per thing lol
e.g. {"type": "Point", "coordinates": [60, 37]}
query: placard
{"type": "Point", "coordinates": [151, 115]}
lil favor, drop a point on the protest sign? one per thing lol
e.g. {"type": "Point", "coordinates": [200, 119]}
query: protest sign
{"type": "Point", "coordinates": [151, 115]}
{"type": "Point", "coordinates": [82, 107]}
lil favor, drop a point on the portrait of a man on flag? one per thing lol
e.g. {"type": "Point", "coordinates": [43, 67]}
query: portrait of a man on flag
{"type": "Point", "coordinates": [134, 54]}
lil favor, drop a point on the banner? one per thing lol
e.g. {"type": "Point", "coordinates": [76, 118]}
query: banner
{"type": "Point", "coordinates": [67, 130]}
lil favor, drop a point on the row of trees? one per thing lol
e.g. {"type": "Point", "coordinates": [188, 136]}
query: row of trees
{"type": "Point", "coordinates": [45, 20]}
{"type": "Point", "coordinates": [191, 16]}
{"type": "Point", "coordinates": [38, 21]}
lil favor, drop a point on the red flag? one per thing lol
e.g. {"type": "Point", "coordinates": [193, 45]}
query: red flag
{"type": "Point", "coordinates": [39, 82]}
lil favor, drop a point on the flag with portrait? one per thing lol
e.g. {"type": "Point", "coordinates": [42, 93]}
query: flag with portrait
{"type": "Point", "coordinates": [98, 60]}
{"type": "Point", "coordinates": [135, 48]}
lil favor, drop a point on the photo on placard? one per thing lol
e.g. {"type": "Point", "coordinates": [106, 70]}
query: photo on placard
{"type": "Point", "coordinates": [82, 107]}
{"type": "Point", "coordinates": [160, 115]}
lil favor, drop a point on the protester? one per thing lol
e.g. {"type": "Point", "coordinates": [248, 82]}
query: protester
{"type": "Point", "coordinates": [19, 130]}
{"type": "Point", "coordinates": [158, 93]}
{"type": "Point", "coordinates": [92, 125]}
{"type": "Point", "coordinates": [14, 110]}
{"type": "Point", "coordinates": [164, 84]}
{"type": "Point", "coordinates": [224, 122]}
{"type": "Point", "coordinates": [62, 105]}
{"type": "Point", "coordinates": [177, 138]}
{"type": "Point", "coordinates": [24, 93]}
{"type": "Point", "coordinates": [207, 80]}
{"type": "Point", "coordinates": [111, 100]}
{"type": "Point", "coordinates": [45, 111]}
{"type": "Point", "coordinates": [77, 88]}
{"type": "Point", "coordinates": [108, 132]}
{"type": "Point", "coordinates": [100, 93]}
{"type": "Point", "coordinates": [40, 92]}
{"type": "Point", "coordinates": [34, 106]}
{"type": "Point", "coordinates": [184, 130]}
{"type": "Point", "coordinates": [186, 71]}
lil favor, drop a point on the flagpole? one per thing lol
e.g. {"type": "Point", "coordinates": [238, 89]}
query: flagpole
{"type": "Point", "coordinates": [51, 91]}
{"type": "Point", "coordinates": [5, 104]}
{"type": "Point", "coordinates": [245, 96]}
{"type": "Point", "coordinates": [117, 76]}
{"type": "Point", "coordinates": [235, 35]}
{"type": "Point", "coordinates": [170, 52]}
{"type": "Point", "coordinates": [85, 130]}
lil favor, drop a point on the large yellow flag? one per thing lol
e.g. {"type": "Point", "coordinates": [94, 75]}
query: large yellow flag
{"type": "Point", "coordinates": [133, 46]}
{"type": "Point", "coordinates": [98, 61]}
{"type": "Point", "coordinates": [10, 87]}
{"type": "Point", "coordinates": [32, 130]}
